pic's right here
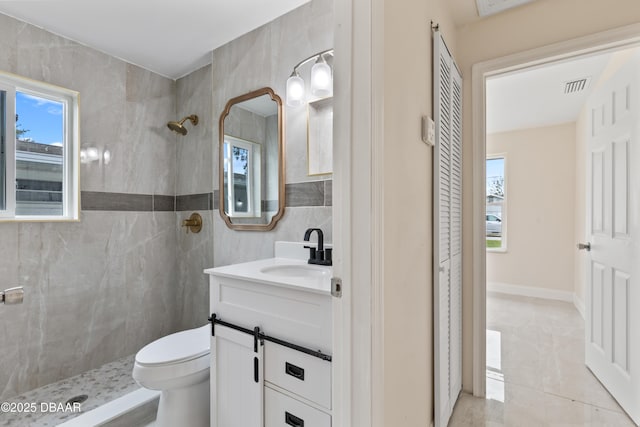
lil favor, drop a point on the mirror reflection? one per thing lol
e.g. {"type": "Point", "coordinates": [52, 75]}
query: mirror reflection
{"type": "Point", "coordinates": [251, 167]}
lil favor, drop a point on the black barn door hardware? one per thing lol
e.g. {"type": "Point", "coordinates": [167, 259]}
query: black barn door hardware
{"type": "Point", "coordinates": [261, 337]}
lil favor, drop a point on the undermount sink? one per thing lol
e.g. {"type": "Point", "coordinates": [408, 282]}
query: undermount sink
{"type": "Point", "coordinates": [296, 271]}
{"type": "Point", "coordinates": [288, 269]}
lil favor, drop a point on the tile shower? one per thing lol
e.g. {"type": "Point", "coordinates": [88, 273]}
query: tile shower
{"type": "Point", "coordinates": [98, 290]}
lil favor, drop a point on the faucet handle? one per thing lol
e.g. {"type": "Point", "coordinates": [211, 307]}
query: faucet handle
{"type": "Point", "coordinates": [312, 251]}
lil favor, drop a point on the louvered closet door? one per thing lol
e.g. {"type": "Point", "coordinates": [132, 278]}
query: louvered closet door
{"type": "Point", "coordinates": [447, 232]}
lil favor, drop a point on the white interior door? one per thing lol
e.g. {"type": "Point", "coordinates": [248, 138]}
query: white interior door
{"type": "Point", "coordinates": [447, 298]}
{"type": "Point", "coordinates": [613, 218]}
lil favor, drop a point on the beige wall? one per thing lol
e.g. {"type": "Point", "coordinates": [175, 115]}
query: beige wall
{"type": "Point", "coordinates": [540, 187]}
{"type": "Point", "coordinates": [407, 164]}
{"type": "Point", "coordinates": [534, 25]}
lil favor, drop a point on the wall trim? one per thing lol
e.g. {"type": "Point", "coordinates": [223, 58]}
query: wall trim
{"type": "Point", "coordinates": [617, 38]}
{"type": "Point", "coordinates": [300, 194]}
{"type": "Point", "coordinates": [579, 304]}
{"type": "Point", "coordinates": [530, 291]}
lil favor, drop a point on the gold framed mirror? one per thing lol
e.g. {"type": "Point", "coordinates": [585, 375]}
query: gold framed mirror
{"type": "Point", "coordinates": [251, 161]}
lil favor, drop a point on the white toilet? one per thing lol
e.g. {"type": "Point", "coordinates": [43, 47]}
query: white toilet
{"type": "Point", "coordinates": [178, 365]}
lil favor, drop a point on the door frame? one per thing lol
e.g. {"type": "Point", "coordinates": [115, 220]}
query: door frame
{"type": "Point", "coordinates": [358, 145]}
{"type": "Point", "coordinates": [615, 39]}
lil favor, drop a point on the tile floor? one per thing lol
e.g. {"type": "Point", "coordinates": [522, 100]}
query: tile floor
{"type": "Point", "coordinates": [102, 385]}
{"type": "Point", "coordinates": [536, 374]}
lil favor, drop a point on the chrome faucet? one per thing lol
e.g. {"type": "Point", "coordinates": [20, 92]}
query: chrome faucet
{"type": "Point", "coordinates": [318, 255]}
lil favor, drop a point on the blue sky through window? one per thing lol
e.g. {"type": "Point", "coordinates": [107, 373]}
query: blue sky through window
{"type": "Point", "coordinates": [42, 118]}
{"type": "Point", "coordinates": [495, 169]}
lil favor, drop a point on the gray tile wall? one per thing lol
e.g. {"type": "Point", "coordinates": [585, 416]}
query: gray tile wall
{"type": "Point", "coordinates": [265, 57]}
{"type": "Point", "coordinates": [194, 190]}
{"type": "Point", "coordinates": [128, 273]}
{"type": "Point", "coordinates": [101, 288]}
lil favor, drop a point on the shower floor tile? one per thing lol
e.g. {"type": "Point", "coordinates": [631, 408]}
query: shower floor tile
{"type": "Point", "coordinates": [101, 385]}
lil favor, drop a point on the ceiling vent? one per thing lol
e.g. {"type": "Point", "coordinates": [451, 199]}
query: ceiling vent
{"type": "Point", "coordinates": [575, 86]}
{"type": "Point", "coordinates": [491, 7]}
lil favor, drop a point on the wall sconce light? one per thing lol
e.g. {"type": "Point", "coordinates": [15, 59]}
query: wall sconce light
{"type": "Point", "coordinates": [94, 154]}
{"type": "Point", "coordinates": [321, 79]}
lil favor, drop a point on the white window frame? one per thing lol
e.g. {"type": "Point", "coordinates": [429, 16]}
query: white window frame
{"type": "Point", "coordinates": [253, 179]}
{"type": "Point", "coordinates": [12, 83]}
{"type": "Point", "coordinates": [503, 216]}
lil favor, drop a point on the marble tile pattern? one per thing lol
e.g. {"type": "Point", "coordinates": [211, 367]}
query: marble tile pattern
{"type": "Point", "coordinates": [536, 374]}
{"type": "Point", "coordinates": [265, 57]}
{"type": "Point", "coordinates": [305, 194]}
{"type": "Point", "coordinates": [101, 288]}
{"type": "Point", "coordinates": [195, 202]}
{"type": "Point", "coordinates": [195, 253]}
{"type": "Point", "coordinates": [314, 193]}
{"type": "Point", "coordinates": [103, 201]}
{"type": "Point", "coordinates": [195, 151]}
{"type": "Point", "coordinates": [194, 189]}
{"type": "Point", "coordinates": [101, 385]}
{"type": "Point", "coordinates": [258, 245]}
{"type": "Point", "coordinates": [94, 291]}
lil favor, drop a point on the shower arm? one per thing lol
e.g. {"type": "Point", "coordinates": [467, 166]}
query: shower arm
{"type": "Point", "coordinates": [192, 118]}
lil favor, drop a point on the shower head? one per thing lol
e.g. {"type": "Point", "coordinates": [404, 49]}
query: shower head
{"type": "Point", "coordinates": [179, 126]}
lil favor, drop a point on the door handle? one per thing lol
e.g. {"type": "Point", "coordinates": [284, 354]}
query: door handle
{"type": "Point", "coordinates": [584, 246]}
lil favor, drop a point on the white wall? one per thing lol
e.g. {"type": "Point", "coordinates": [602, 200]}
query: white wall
{"type": "Point", "coordinates": [540, 182]}
{"type": "Point", "coordinates": [536, 24]}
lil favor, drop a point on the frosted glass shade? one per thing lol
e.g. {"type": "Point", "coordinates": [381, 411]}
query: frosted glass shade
{"type": "Point", "coordinates": [321, 80]}
{"type": "Point", "coordinates": [295, 91]}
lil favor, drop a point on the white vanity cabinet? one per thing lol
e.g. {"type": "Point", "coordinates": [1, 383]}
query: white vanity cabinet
{"type": "Point", "coordinates": [271, 349]}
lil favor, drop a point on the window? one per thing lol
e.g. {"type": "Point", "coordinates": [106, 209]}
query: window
{"type": "Point", "coordinates": [38, 151]}
{"type": "Point", "coordinates": [496, 207]}
{"type": "Point", "coordinates": [242, 177]}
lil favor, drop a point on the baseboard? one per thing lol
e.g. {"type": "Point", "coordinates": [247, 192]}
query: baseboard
{"type": "Point", "coordinates": [530, 291]}
{"type": "Point", "coordinates": [579, 304]}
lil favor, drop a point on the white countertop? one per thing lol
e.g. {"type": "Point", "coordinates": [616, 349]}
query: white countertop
{"type": "Point", "coordinates": [254, 271]}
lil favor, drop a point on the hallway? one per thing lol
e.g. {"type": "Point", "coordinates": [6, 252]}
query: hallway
{"type": "Point", "coordinates": [536, 374]}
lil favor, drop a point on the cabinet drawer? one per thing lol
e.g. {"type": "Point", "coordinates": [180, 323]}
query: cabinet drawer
{"type": "Point", "coordinates": [283, 411]}
{"type": "Point", "coordinates": [299, 373]}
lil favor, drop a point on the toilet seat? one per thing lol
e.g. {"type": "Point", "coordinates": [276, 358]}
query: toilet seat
{"type": "Point", "coordinates": [176, 348]}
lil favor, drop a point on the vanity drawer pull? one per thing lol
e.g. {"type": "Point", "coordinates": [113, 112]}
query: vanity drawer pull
{"type": "Point", "coordinates": [299, 373]}
{"type": "Point", "coordinates": [286, 411]}
{"type": "Point", "coordinates": [292, 420]}
{"type": "Point", "coordinates": [294, 371]}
